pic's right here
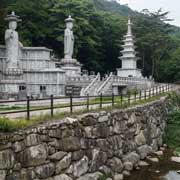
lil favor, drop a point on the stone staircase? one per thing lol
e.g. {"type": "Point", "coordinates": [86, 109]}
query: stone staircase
{"type": "Point", "coordinates": [91, 89]}
{"type": "Point", "coordinates": [106, 87]}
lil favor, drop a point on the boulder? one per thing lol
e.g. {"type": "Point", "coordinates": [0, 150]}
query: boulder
{"type": "Point", "coordinates": [144, 151]}
{"type": "Point", "coordinates": [91, 176]}
{"type": "Point", "coordinates": [133, 157]}
{"type": "Point", "coordinates": [98, 159]}
{"type": "Point", "coordinates": [128, 166]}
{"type": "Point", "coordinates": [118, 177]}
{"type": "Point", "coordinates": [69, 144]}
{"type": "Point", "coordinates": [34, 156]}
{"type": "Point", "coordinates": [45, 171]}
{"type": "Point", "coordinates": [80, 167]}
{"type": "Point", "coordinates": [63, 164]}
{"type": "Point", "coordinates": [143, 163]}
{"type": "Point", "coordinates": [115, 164]}
{"type": "Point", "coordinates": [140, 139]}
{"type": "Point", "coordinates": [6, 159]}
{"type": "Point", "coordinates": [103, 119]}
{"type": "Point", "coordinates": [62, 177]}
{"type": "Point", "coordinates": [57, 156]}
{"type": "Point", "coordinates": [175, 159]}
{"type": "Point", "coordinates": [32, 140]}
{"type": "Point", "coordinates": [2, 174]}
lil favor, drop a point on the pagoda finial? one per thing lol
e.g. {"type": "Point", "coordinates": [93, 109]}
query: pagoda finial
{"type": "Point", "coordinates": [129, 32]}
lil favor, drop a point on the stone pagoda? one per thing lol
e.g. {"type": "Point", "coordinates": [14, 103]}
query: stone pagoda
{"type": "Point", "coordinates": [128, 58]}
{"type": "Point", "coordinates": [70, 65]}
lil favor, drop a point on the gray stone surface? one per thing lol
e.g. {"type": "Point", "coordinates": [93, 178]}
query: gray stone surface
{"type": "Point", "coordinates": [62, 177]}
{"type": "Point", "coordinates": [118, 177]}
{"type": "Point", "coordinates": [45, 171]}
{"type": "Point", "coordinates": [2, 174]}
{"type": "Point", "coordinates": [34, 156]}
{"type": "Point", "coordinates": [57, 156]}
{"type": "Point", "coordinates": [6, 159]}
{"type": "Point", "coordinates": [115, 164]}
{"type": "Point", "coordinates": [90, 176]}
{"type": "Point", "coordinates": [63, 164]}
{"type": "Point", "coordinates": [80, 167]}
{"type": "Point", "coordinates": [83, 148]}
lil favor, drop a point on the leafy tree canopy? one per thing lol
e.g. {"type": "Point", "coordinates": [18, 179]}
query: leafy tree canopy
{"type": "Point", "coordinates": [99, 29]}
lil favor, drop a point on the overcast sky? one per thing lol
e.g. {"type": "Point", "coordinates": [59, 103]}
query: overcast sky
{"type": "Point", "coordinates": [173, 6]}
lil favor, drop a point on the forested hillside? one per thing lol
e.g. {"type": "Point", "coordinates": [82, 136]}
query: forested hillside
{"type": "Point", "coordinates": [99, 29]}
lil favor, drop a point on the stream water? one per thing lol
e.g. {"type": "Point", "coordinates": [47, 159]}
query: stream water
{"type": "Point", "coordinates": [164, 170]}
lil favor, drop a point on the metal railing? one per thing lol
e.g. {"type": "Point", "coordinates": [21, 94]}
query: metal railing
{"type": "Point", "coordinates": [87, 101]}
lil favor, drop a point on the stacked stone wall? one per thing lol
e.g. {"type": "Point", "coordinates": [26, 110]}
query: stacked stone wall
{"type": "Point", "coordinates": [84, 147]}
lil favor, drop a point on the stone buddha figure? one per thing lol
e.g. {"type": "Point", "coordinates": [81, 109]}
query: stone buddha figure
{"type": "Point", "coordinates": [68, 39]}
{"type": "Point", "coordinates": [12, 41]}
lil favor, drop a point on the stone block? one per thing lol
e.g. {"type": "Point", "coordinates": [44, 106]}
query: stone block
{"type": "Point", "coordinates": [63, 163]}
{"type": "Point", "coordinates": [57, 156]}
{"type": "Point", "coordinates": [99, 158]}
{"type": "Point", "coordinates": [128, 166]}
{"type": "Point", "coordinates": [2, 174]}
{"type": "Point", "coordinates": [140, 139]}
{"type": "Point", "coordinates": [132, 157]}
{"type": "Point", "coordinates": [6, 159]}
{"type": "Point", "coordinates": [80, 167]}
{"type": "Point", "coordinates": [103, 119]}
{"type": "Point", "coordinates": [91, 176]}
{"type": "Point", "coordinates": [144, 151]}
{"type": "Point", "coordinates": [115, 164]}
{"type": "Point", "coordinates": [70, 144]}
{"type": "Point", "coordinates": [32, 140]}
{"type": "Point", "coordinates": [62, 177]}
{"type": "Point", "coordinates": [45, 171]}
{"type": "Point", "coordinates": [19, 146]}
{"type": "Point", "coordinates": [33, 156]}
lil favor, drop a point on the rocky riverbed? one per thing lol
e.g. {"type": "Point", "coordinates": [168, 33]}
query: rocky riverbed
{"type": "Point", "coordinates": [164, 169]}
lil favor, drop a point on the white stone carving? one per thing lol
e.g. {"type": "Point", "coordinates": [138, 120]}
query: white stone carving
{"type": "Point", "coordinates": [68, 39]}
{"type": "Point", "coordinates": [12, 42]}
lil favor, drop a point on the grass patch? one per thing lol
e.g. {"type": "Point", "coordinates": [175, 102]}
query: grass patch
{"type": "Point", "coordinates": [105, 176]}
{"type": "Point", "coordinates": [8, 125]}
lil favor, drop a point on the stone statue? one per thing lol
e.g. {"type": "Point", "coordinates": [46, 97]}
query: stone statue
{"type": "Point", "coordinates": [68, 39]}
{"type": "Point", "coordinates": [12, 41]}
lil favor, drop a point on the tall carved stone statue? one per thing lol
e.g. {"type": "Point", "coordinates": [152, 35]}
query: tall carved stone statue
{"type": "Point", "coordinates": [68, 39]}
{"type": "Point", "coordinates": [12, 41]}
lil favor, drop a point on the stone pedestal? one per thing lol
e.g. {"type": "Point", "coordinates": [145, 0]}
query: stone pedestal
{"type": "Point", "coordinates": [11, 86]}
{"type": "Point", "coordinates": [129, 73]}
{"type": "Point", "coordinates": [71, 67]}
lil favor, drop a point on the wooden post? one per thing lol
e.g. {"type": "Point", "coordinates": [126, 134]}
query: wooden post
{"type": "Point", "coordinates": [135, 96]}
{"type": "Point", "coordinates": [101, 97]}
{"type": "Point", "coordinates": [87, 102]}
{"type": "Point", "coordinates": [112, 99]}
{"type": "Point", "coordinates": [121, 100]}
{"type": "Point", "coordinates": [149, 93]}
{"type": "Point", "coordinates": [140, 94]}
{"type": "Point", "coordinates": [71, 104]}
{"type": "Point", "coordinates": [145, 94]}
{"type": "Point", "coordinates": [52, 106]}
{"type": "Point", "coordinates": [28, 108]}
{"type": "Point", "coordinates": [156, 90]}
{"type": "Point", "coordinates": [129, 99]}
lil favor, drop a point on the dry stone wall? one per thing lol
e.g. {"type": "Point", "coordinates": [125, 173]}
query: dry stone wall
{"type": "Point", "coordinates": [84, 147]}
